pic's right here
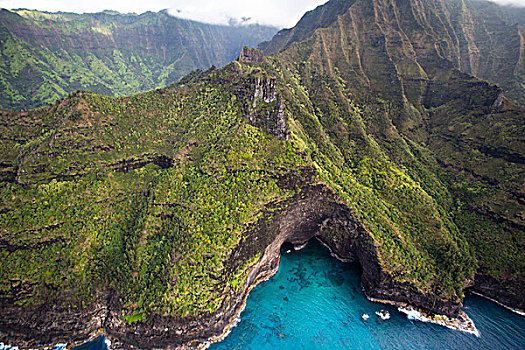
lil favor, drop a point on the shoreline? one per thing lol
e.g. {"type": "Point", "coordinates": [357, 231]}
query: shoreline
{"type": "Point", "coordinates": [516, 311]}
{"type": "Point", "coordinates": [466, 324]}
{"type": "Point", "coordinates": [463, 323]}
{"type": "Point", "coordinates": [93, 335]}
{"type": "Point", "coordinates": [265, 276]}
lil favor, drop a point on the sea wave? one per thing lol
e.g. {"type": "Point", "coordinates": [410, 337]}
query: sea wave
{"type": "Point", "coordinates": [465, 324]}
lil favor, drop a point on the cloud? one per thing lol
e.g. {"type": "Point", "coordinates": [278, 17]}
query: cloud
{"type": "Point", "coordinates": [282, 13]}
{"type": "Point", "coordinates": [510, 2]}
{"type": "Point", "coordinates": [125, 6]}
{"type": "Point", "coordinates": [271, 12]}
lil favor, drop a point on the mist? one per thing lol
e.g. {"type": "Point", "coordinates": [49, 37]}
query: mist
{"type": "Point", "coordinates": [269, 12]}
{"type": "Point", "coordinates": [510, 2]}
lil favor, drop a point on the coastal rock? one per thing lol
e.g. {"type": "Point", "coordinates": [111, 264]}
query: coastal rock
{"type": "Point", "coordinates": [315, 214]}
{"type": "Point", "coordinates": [46, 325]}
{"type": "Point", "coordinates": [509, 292]}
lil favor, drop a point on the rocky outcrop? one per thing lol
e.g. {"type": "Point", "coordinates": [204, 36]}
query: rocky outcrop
{"type": "Point", "coordinates": [126, 165]}
{"type": "Point", "coordinates": [262, 100]}
{"type": "Point", "coordinates": [29, 327]}
{"type": "Point", "coordinates": [499, 100]}
{"type": "Point", "coordinates": [267, 108]}
{"type": "Point", "coordinates": [508, 292]}
{"type": "Point", "coordinates": [250, 55]}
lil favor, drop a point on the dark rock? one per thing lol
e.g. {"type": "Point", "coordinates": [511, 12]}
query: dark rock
{"type": "Point", "coordinates": [505, 291]}
{"type": "Point", "coordinates": [267, 108]}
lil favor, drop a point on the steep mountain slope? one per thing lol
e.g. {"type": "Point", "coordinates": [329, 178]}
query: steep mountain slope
{"type": "Point", "coordinates": [478, 37]}
{"type": "Point", "coordinates": [45, 56]}
{"type": "Point", "coordinates": [152, 216]}
{"type": "Point", "coordinates": [415, 97]}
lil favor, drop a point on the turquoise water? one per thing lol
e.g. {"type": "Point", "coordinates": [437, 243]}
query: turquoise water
{"type": "Point", "coordinates": [315, 302]}
{"type": "Point", "coordinates": [97, 344]}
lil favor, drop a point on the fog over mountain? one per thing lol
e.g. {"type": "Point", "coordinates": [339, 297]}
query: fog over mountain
{"type": "Point", "coordinates": [510, 2]}
{"type": "Point", "coordinates": [271, 12]}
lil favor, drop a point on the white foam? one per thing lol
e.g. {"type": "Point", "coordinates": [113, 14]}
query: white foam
{"type": "Point", "coordinates": [108, 343]}
{"type": "Point", "coordinates": [411, 314]}
{"type": "Point", "coordinates": [456, 324]}
{"type": "Point", "coordinates": [384, 315]}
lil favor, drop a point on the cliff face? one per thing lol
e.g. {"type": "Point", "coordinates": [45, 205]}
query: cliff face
{"type": "Point", "coordinates": [477, 37]}
{"type": "Point", "coordinates": [402, 66]}
{"type": "Point", "coordinates": [250, 55]}
{"type": "Point", "coordinates": [45, 56]}
{"type": "Point", "coordinates": [152, 215]}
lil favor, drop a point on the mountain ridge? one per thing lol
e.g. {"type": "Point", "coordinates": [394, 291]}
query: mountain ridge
{"type": "Point", "coordinates": [48, 55]}
{"type": "Point", "coordinates": [469, 48]}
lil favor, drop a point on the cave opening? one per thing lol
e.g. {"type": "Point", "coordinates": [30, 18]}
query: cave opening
{"type": "Point", "coordinates": [313, 298]}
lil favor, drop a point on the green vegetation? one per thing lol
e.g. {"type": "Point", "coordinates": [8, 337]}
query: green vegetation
{"type": "Point", "coordinates": [423, 142]}
{"type": "Point", "coordinates": [133, 318]}
{"type": "Point", "coordinates": [423, 249]}
{"type": "Point", "coordinates": [45, 56]}
{"type": "Point", "coordinates": [159, 234]}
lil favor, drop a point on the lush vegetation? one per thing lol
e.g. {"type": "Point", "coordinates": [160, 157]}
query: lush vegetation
{"type": "Point", "coordinates": [45, 56]}
{"type": "Point", "coordinates": [113, 214]}
{"type": "Point", "coordinates": [397, 119]}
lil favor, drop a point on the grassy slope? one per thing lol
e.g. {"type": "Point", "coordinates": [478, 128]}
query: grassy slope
{"type": "Point", "coordinates": [86, 220]}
